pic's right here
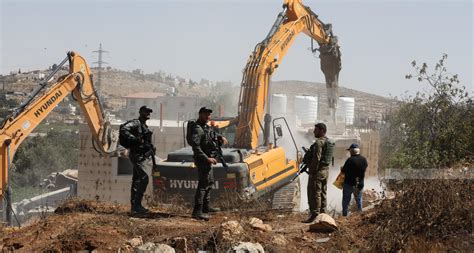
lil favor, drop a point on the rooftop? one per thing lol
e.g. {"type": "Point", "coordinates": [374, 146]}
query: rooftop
{"type": "Point", "coordinates": [155, 123]}
{"type": "Point", "coordinates": [145, 95]}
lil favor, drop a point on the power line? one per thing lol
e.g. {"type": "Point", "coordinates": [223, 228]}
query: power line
{"type": "Point", "coordinates": [99, 63]}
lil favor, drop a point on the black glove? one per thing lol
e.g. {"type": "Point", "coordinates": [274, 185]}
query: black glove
{"type": "Point", "coordinates": [360, 186]}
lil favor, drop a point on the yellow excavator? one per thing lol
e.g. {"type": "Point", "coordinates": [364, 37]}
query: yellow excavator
{"type": "Point", "coordinates": [42, 101]}
{"type": "Point", "coordinates": [256, 169]}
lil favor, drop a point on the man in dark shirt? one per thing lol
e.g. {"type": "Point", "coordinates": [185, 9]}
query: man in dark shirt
{"type": "Point", "coordinates": [139, 136]}
{"type": "Point", "coordinates": [200, 141]}
{"type": "Point", "coordinates": [354, 171]}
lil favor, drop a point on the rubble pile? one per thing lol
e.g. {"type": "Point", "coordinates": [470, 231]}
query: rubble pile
{"type": "Point", "coordinates": [74, 205]}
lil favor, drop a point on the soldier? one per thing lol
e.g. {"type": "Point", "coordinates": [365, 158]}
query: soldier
{"type": "Point", "coordinates": [319, 160]}
{"type": "Point", "coordinates": [136, 136]}
{"type": "Point", "coordinates": [199, 137]}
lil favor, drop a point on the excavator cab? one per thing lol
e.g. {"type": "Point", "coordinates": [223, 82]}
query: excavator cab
{"type": "Point", "coordinates": [250, 174]}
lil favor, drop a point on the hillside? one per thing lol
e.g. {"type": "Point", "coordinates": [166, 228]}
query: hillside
{"type": "Point", "coordinates": [366, 105]}
{"type": "Point", "coordinates": [117, 83]}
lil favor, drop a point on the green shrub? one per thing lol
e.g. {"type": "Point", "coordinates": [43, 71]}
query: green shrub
{"type": "Point", "coordinates": [433, 129]}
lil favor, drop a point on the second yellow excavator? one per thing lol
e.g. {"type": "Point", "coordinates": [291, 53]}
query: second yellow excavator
{"type": "Point", "coordinates": [256, 169]}
{"type": "Point", "coordinates": [16, 127]}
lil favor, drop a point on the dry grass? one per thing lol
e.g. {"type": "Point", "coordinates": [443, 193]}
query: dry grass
{"type": "Point", "coordinates": [426, 210]}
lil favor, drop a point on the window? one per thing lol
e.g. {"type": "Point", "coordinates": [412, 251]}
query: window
{"type": "Point", "coordinates": [132, 102]}
{"type": "Point", "coordinates": [182, 104]}
{"type": "Point", "coordinates": [124, 166]}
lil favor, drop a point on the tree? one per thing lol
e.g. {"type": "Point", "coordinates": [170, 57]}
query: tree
{"type": "Point", "coordinates": [39, 156]}
{"type": "Point", "coordinates": [432, 129]}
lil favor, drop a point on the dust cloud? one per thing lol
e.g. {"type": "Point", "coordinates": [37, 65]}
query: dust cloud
{"type": "Point", "coordinates": [304, 137]}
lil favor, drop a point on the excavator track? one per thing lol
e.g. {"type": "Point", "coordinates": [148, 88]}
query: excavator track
{"type": "Point", "coordinates": [288, 197]}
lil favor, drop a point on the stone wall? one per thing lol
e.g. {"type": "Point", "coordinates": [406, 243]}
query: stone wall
{"type": "Point", "coordinates": [369, 147]}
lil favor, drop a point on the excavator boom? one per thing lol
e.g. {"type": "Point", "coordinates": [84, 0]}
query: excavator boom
{"type": "Point", "coordinates": [268, 54]}
{"type": "Point", "coordinates": [16, 127]}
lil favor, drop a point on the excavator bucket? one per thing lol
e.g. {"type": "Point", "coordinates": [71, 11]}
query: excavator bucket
{"type": "Point", "coordinates": [330, 56]}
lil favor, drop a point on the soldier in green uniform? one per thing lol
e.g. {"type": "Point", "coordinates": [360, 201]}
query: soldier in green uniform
{"type": "Point", "coordinates": [320, 158]}
{"type": "Point", "coordinates": [199, 137]}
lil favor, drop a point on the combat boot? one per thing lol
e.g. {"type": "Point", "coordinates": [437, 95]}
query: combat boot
{"type": "Point", "coordinates": [208, 209]}
{"type": "Point", "coordinates": [137, 208]}
{"type": "Point", "coordinates": [198, 213]}
{"type": "Point", "coordinates": [311, 218]}
{"type": "Point", "coordinates": [142, 209]}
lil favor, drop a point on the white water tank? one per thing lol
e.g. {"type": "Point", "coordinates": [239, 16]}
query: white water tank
{"type": "Point", "coordinates": [345, 110]}
{"type": "Point", "coordinates": [306, 109]}
{"type": "Point", "coordinates": [278, 105]}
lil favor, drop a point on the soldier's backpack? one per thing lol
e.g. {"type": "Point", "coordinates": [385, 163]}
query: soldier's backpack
{"type": "Point", "coordinates": [189, 132]}
{"type": "Point", "coordinates": [328, 151]}
{"type": "Point", "coordinates": [124, 141]}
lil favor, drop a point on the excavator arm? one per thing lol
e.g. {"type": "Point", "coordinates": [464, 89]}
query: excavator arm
{"type": "Point", "coordinates": [16, 127]}
{"type": "Point", "coordinates": [268, 54]}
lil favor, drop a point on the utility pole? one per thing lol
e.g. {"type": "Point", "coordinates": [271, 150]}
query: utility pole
{"type": "Point", "coordinates": [3, 100]}
{"type": "Point", "coordinates": [99, 64]}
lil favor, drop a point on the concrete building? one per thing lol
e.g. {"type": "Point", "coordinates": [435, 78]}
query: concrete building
{"type": "Point", "coordinates": [176, 108]}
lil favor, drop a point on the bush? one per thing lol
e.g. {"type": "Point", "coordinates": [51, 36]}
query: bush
{"type": "Point", "coordinates": [431, 210]}
{"type": "Point", "coordinates": [39, 156]}
{"type": "Point", "coordinates": [431, 130]}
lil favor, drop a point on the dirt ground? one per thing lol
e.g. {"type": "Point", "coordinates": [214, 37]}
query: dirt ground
{"type": "Point", "coordinates": [80, 225]}
{"type": "Point", "coordinates": [90, 225]}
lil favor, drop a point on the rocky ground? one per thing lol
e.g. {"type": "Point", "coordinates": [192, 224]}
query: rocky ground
{"type": "Point", "coordinates": [88, 225]}
{"type": "Point", "coordinates": [414, 220]}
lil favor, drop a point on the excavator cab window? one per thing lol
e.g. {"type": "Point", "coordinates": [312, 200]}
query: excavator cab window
{"type": "Point", "coordinates": [278, 131]}
{"type": "Point", "coordinates": [228, 133]}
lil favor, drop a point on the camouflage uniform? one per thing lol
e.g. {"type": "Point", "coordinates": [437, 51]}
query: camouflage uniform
{"type": "Point", "coordinates": [139, 136]}
{"type": "Point", "coordinates": [201, 145]}
{"type": "Point", "coordinates": [318, 178]}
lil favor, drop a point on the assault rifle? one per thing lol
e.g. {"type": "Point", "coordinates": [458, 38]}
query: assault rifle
{"type": "Point", "coordinates": [151, 153]}
{"type": "Point", "coordinates": [216, 149]}
{"type": "Point", "coordinates": [304, 163]}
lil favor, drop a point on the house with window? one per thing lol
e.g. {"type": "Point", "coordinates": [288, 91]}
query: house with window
{"type": "Point", "coordinates": [177, 108]}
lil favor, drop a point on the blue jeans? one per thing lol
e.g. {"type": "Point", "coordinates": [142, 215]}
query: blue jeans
{"type": "Point", "coordinates": [347, 191]}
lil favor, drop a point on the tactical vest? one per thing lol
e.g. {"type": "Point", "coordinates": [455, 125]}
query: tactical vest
{"type": "Point", "coordinates": [124, 141]}
{"type": "Point", "coordinates": [327, 153]}
{"type": "Point", "coordinates": [205, 143]}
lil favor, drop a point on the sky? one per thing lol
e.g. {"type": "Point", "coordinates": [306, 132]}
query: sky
{"type": "Point", "coordinates": [213, 39]}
